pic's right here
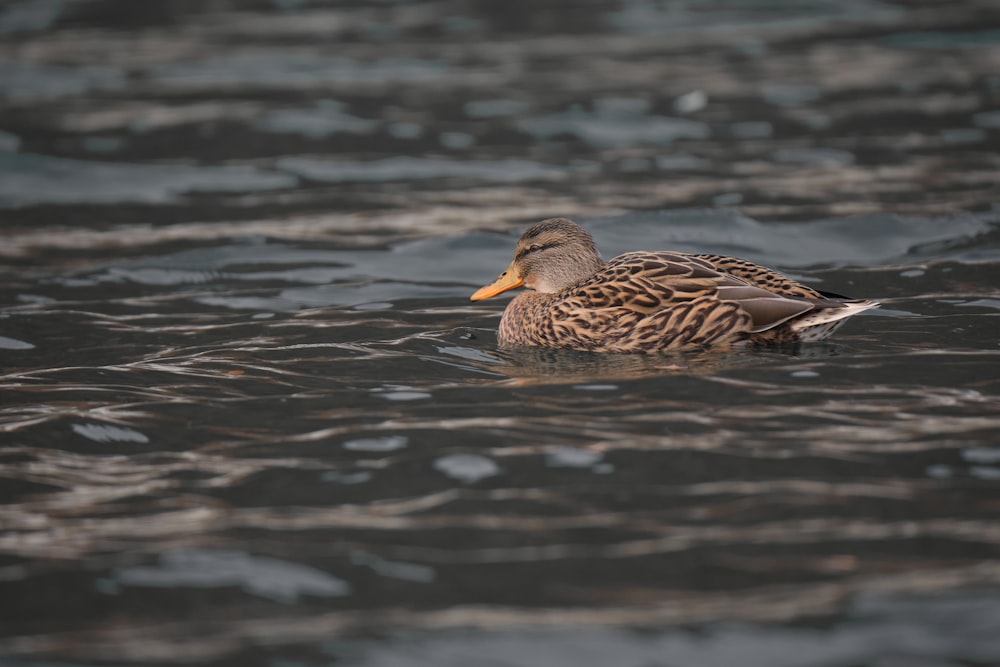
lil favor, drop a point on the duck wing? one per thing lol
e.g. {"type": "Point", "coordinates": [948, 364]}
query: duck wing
{"type": "Point", "coordinates": [758, 275]}
{"type": "Point", "coordinates": [662, 300]}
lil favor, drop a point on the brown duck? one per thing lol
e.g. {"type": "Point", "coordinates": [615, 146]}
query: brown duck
{"type": "Point", "coordinates": [651, 301]}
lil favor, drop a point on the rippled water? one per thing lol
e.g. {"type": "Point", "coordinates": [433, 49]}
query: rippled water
{"type": "Point", "coordinates": [249, 416]}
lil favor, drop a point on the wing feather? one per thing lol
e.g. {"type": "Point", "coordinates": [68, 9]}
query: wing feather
{"type": "Point", "coordinates": [669, 294]}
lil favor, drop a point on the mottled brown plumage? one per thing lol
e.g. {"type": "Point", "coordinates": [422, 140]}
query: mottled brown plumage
{"type": "Point", "coordinates": [651, 301]}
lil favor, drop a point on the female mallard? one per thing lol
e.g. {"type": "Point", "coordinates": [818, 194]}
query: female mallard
{"type": "Point", "coordinates": [651, 301]}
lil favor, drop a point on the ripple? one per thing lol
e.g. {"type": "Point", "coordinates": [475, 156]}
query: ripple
{"type": "Point", "coordinates": [389, 443]}
{"type": "Point", "coordinates": [963, 135]}
{"type": "Point", "coordinates": [752, 129]}
{"type": "Point", "coordinates": [30, 15]}
{"type": "Point", "coordinates": [327, 118]}
{"type": "Point", "coordinates": [863, 240]}
{"type": "Point", "coordinates": [403, 395]}
{"type": "Point", "coordinates": [27, 180]}
{"type": "Point", "coordinates": [269, 578]}
{"type": "Point", "coordinates": [682, 161]}
{"type": "Point", "coordinates": [291, 70]}
{"type": "Point", "coordinates": [410, 168]}
{"type": "Point", "coordinates": [981, 455]}
{"type": "Point", "coordinates": [987, 119]}
{"type": "Point", "coordinates": [640, 17]}
{"type": "Point", "coordinates": [457, 140]}
{"type": "Point", "coordinates": [615, 129]}
{"type": "Point", "coordinates": [572, 457]}
{"type": "Point", "coordinates": [25, 82]}
{"type": "Point", "coordinates": [107, 433]}
{"type": "Point", "coordinates": [394, 570]}
{"type": "Point", "coordinates": [9, 143]}
{"type": "Point", "coordinates": [14, 344]}
{"type": "Point", "coordinates": [467, 468]}
{"type": "Point", "coordinates": [824, 157]}
{"type": "Point", "coordinates": [691, 102]}
{"type": "Point", "coordinates": [495, 108]}
{"type": "Point", "coordinates": [359, 477]}
{"type": "Point", "coordinates": [990, 473]}
{"type": "Point", "coordinates": [883, 629]}
{"type": "Point", "coordinates": [406, 130]}
{"type": "Point", "coordinates": [792, 95]}
{"type": "Point", "coordinates": [945, 41]}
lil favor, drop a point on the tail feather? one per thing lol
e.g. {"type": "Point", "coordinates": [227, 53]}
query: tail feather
{"type": "Point", "coordinates": [820, 323]}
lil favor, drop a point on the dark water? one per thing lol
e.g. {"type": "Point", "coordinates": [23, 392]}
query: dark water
{"type": "Point", "coordinates": [249, 416]}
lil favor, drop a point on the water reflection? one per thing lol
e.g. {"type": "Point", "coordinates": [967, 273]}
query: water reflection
{"type": "Point", "coordinates": [570, 367]}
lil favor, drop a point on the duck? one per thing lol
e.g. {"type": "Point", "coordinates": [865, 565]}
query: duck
{"type": "Point", "coordinates": [648, 302]}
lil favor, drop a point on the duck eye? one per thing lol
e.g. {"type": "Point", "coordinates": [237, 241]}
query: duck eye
{"type": "Point", "coordinates": [534, 247]}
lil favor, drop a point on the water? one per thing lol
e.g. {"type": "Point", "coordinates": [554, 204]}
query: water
{"type": "Point", "coordinates": [249, 416]}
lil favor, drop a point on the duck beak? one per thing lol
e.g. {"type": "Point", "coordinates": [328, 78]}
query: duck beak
{"type": "Point", "coordinates": [508, 280]}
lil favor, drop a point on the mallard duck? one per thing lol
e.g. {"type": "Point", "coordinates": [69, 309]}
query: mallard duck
{"type": "Point", "coordinates": [651, 301]}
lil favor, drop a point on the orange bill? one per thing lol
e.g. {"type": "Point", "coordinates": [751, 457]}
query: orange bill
{"type": "Point", "coordinates": [508, 280]}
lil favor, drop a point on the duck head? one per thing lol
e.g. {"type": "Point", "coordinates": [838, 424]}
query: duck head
{"type": "Point", "coordinates": [550, 256]}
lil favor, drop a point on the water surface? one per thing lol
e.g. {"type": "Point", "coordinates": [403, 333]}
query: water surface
{"type": "Point", "coordinates": [250, 417]}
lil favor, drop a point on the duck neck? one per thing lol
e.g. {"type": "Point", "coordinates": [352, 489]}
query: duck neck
{"type": "Point", "coordinates": [564, 272]}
